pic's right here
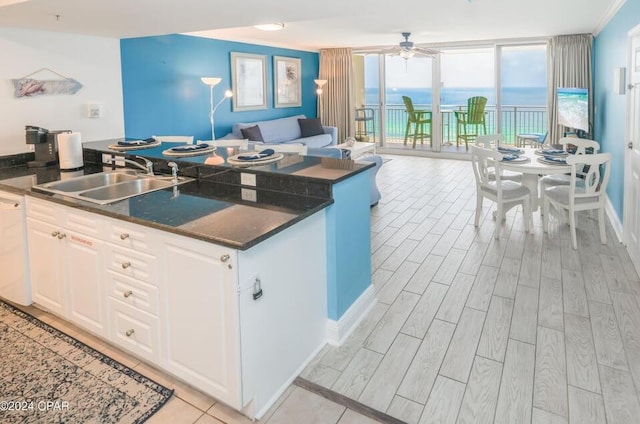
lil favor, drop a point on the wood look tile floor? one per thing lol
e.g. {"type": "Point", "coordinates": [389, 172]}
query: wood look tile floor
{"type": "Point", "coordinates": [467, 329]}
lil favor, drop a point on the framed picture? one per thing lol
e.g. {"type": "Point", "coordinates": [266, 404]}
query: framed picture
{"type": "Point", "coordinates": [248, 81]}
{"type": "Point", "coordinates": [286, 81]}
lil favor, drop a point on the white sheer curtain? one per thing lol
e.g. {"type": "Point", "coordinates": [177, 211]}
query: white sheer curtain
{"type": "Point", "coordinates": [335, 107]}
{"type": "Point", "coordinates": [569, 65]}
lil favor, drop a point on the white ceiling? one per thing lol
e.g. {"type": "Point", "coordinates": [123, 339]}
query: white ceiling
{"type": "Point", "coordinates": [311, 25]}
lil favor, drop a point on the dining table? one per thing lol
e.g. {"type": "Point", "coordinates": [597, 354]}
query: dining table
{"type": "Point", "coordinates": [532, 169]}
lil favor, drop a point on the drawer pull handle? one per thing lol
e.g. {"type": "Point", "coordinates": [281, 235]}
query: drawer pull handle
{"type": "Point", "coordinates": [54, 233]}
{"type": "Point", "coordinates": [224, 258]}
{"type": "Point", "coordinates": [127, 293]}
{"type": "Point", "coordinates": [124, 236]}
{"type": "Point", "coordinates": [129, 333]}
{"type": "Point", "coordinates": [126, 265]}
{"type": "Point", "coordinates": [61, 236]}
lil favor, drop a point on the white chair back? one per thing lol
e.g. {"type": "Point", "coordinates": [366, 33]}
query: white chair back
{"type": "Point", "coordinates": [174, 138]}
{"type": "Point", "coordinates": [236, 142]}
{"type": "Point", "coordinates": [596, 178]}
{"type": "Point", "coordinates": [298, 148]}
{"type": "Point", "coordinates": [582, 144]}
{"type": "Point", "coordinates": [494, 188]}
{"type": "Point", "coordinates": [489, 141]}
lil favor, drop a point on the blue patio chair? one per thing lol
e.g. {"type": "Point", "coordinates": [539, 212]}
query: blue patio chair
{"type": "Point", "coordinates": [535, 139]}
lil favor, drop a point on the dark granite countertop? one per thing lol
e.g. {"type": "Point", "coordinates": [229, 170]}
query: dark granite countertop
{"type": "Point", "coordinates": [206, 210]}
{"type": "Point", "coordinates": [323, 169]}
{"type": "Point", "coordinates": [216, 207]}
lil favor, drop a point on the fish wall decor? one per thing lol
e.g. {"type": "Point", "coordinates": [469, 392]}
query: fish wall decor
{"type": "Point", "coordinates": [29, 87]}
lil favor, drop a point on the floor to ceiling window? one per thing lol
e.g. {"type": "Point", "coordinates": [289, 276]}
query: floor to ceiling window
{"type": "Point", "coordinates": [511, 77]}
{"type": "Point", "coordinates": [465, 73]}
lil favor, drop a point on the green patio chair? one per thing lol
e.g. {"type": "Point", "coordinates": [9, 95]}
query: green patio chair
{"type": "Point", "coordinates": [419, 119]}
{"type": "Point", "coordinates": [467, 122]}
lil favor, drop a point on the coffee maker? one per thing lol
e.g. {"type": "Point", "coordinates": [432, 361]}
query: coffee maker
{"type": "Point", "coordinates": [45, 143]}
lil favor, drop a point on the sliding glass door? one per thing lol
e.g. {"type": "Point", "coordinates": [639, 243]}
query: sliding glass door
{"type": "Point", "coordinates": [511, 77]}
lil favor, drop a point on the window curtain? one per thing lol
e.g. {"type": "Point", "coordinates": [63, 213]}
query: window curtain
{"type": "Point", "coordinates": [335, 104]}
{"type": "Point", "coordinates": [569, 65]}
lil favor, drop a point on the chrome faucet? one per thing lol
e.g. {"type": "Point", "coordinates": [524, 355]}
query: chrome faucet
{"type": "Point", "coordinates": [148, 165]}
{"type": "Point", "coordinates": [174, 170]}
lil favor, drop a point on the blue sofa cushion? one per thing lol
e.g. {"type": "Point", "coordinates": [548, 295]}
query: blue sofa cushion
{"type": "Point", "coordinates": [286, 130]}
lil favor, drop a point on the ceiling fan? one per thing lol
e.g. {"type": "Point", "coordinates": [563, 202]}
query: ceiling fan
{"type": "Point", "coordinates": [407, 49]}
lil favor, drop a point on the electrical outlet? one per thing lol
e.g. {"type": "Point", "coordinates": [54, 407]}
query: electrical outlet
{"type": "Point", "coordinates": [248, 179]}
{"type": "Point", "coordinates": [249, 195]}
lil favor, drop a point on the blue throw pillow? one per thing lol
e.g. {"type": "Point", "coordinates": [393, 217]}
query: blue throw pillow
{"type": "Point", "coordinates": [252, 133]}
{"type": "Point", "coordinates": [310, 127]}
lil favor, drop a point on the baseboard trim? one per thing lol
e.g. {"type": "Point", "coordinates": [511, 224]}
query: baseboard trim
{"type": "Point", "coordinates": [259, 414]}
{"type": "Point", "coordinates": [338, 331]}
{"type": "Point", "coordinates": [613, 218]}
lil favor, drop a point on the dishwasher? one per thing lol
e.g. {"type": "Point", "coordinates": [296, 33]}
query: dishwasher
{"type": "Point", "coordinates": [14, 274]}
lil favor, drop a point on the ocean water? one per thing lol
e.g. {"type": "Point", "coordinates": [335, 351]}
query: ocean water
{"type": "Point", "coordinates": [520, 96]}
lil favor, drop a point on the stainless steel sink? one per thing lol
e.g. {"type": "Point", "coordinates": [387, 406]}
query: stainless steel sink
{"type": "Point", "coordinates": [110, 187]}
{"type": "Point", "coordinates": [115, 192]}
{"type": "Point", "coordinates": [87, 182]}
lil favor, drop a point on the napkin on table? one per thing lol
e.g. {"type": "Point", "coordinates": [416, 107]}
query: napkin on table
{"type": "Point", "coordinates": [136, 142]}
{"type": "Point", "coordinates": [189, 147]}
{"type": "Point", "coordinates": [555, 159]}
{"type": "Point", "coordinates": [259, 155]}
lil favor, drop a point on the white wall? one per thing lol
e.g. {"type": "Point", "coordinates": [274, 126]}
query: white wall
{"type": "Point", "coordinates": [93, 61]}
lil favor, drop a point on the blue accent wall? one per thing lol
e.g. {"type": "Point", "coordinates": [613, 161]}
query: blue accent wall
{"type": "Point", "coordinates": [348, 243]}
{"type": "Point", "coordinates": [610, 118]}
{"type": "Point", "coordinates": [163, 94]}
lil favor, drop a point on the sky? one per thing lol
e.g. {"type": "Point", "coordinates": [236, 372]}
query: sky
{"type": "Point", "coordinates": [522, 66]}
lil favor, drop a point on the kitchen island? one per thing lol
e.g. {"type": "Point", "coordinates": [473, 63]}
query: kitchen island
{"type": "Point", "coordinates": [231, 287]}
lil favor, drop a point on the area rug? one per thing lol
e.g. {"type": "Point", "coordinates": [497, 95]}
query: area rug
{"type": "Point", "coordinates": [47, 376]}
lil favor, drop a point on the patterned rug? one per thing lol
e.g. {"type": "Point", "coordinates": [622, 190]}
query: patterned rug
{"type": "Point", "coordinates": [47, 376]}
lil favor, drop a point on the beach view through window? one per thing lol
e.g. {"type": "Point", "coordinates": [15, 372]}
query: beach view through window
{"type": "Point", "coordinates": [465, 73]}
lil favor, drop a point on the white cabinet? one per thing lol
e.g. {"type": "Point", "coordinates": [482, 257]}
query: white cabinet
{"type": "Point", "coordinates": [67, 266]}
{"type": "Point", "coordinates": [187, 305]}
{"type": "Point", "coordinates": [45, 256]}
{"type": "Point", "coordinates": [83, 266]}
{"type": "Point", "coordinates": [200, 319]}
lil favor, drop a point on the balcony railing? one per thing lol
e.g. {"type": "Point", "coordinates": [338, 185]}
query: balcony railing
{"type": "Point", "coordinates": [516, 119]}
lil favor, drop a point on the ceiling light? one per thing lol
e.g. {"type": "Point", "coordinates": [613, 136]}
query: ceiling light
{"type": "Point", "coordinates": [270, 27]}
{"type": "Point", "coordinates": [407, 54]}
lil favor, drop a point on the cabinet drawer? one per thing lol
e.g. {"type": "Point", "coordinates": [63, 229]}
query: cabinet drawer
{"type": "Point", "coordinates": [43, 210]}
{"type": "Point", "coordinates": [83, 222]}
{"type": "Point", "coordinates": [132, 236]}
{"type": "Point", "coordinates": [138, 295]}
{"type": "Point", "coordinates": [132, 264]}
{"type": "Point", "coordinates": [134, 330]}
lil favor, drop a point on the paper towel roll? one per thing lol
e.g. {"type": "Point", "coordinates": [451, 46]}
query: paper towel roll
{"type": "Point", "coordinates": [70, 150]}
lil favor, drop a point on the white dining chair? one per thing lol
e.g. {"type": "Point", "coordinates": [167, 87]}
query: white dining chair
{"type": "Point", "coordinates": [490, 141]}
{"type": "Point", "coordinates": [174, 138]}
{"type": "Point", "coordinates": [503, 193]}
{"type": "Point", "coordinates": [243, 144]}
{"type": "Point", "coordinates": [586, 196]}
{"type": "Point", "coordinates": [493, 141]}
{"type": "Point", "coordinates": [582, 144]}
{"type": "Point", "coordinates": [298, 148]}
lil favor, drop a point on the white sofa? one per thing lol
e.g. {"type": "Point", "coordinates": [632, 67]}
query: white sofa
{"type": "Point", "coordinates": [287, 130]}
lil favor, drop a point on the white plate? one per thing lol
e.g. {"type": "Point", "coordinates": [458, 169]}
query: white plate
{"type": "Point", "coordinates": [542, 153]}
{"type": "Point", "coordinates": [550, 162]}
{"type": "Point", "coordinates": [519, 159]}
